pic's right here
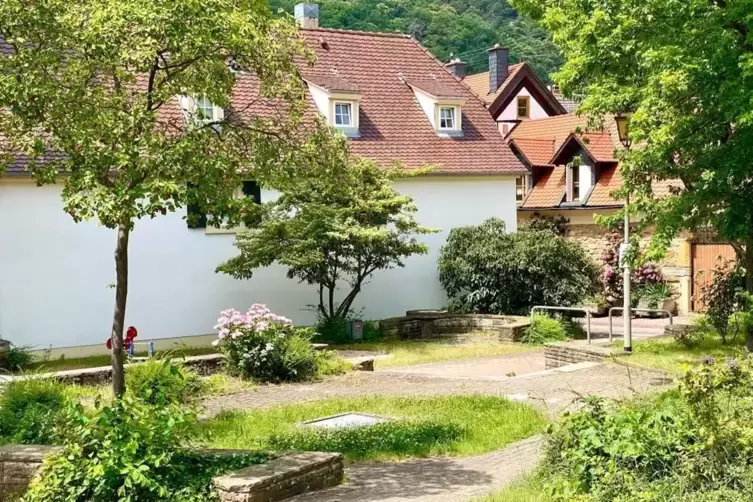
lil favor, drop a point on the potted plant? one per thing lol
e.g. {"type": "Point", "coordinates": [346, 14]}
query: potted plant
{"type": "Point", "coordinates": [657, 296]}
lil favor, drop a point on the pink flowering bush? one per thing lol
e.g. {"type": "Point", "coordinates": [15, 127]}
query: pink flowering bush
{"type": "Point", "coordinates": [262, 345]}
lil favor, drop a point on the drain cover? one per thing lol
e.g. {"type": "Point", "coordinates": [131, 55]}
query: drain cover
{"type": "Point", "coordinates": [346, 420]}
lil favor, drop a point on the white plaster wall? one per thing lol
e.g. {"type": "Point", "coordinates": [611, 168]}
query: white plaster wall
{"type": "Point", "coordinates": [585, 179]}
{"type": "Point", "coordinates": [510, 113]}
{"type": "Point", "coordinates": [321, 99]}
{"type": "Point", "coordinates": [54, 273]}
{"type": "Point", "coordinates": [428, 105]}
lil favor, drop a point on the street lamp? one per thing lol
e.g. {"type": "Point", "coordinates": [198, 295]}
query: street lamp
{"type": "Point", "coordinates": [623, 131]}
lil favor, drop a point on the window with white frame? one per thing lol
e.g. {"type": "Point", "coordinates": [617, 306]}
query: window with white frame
{"type": "Point", "coordinates": [447, 118]}
{"type": "Point", "coordinates": [520, 189]}
{"type": "Point", "coordinates": [343, 114]}
{"type": "Point", "coordinates": [576, 185]}
{"type": "Point", "coordinates": [204, 110]}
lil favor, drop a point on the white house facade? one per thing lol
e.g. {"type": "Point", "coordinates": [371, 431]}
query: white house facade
{"type": "Point", "coordinates": [384, 91]}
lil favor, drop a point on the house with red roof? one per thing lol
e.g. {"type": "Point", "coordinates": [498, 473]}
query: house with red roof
{"type": "Point", "coordinates": [384, 91]}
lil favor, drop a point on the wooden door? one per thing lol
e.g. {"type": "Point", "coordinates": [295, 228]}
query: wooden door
{"type": "Point", "coordinates": [704, 259]}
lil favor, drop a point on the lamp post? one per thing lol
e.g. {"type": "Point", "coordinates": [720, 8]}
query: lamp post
{"type": "Point", "coordinates": [623, 131]}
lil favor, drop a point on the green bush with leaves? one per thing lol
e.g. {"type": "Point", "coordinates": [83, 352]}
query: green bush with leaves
{"type": "Point", "coordinates": [336, 331]}
{"type": "Point", "coordinates": [690, 443]}
{"type": "Point", "coordinates": [415, 438]}
{"type": "Point", "coordinates": [130, 452]}
{"type": "Point", "coordinates": [161, 381]}
{"type": "Point", "coordinates": [544, 329]}
{"type": "Point", "coordinates": [30, 409]}
{"type": "Point", "coordinates": [486, 270]}
{"type": "Point", "coordinates": [722, 297]}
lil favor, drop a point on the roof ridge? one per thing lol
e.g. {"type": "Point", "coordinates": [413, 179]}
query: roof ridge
{"type": "Point", "coordinates": [361, 33]}
{"type": "Point", "coordinates": [519, 63]}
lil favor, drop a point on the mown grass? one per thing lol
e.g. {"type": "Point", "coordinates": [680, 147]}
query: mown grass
{"type": "Point", "coordinates": [487, 423]}
{"type": "Point", "coordinates": [63, 364]}
{"type": "Point", "coordinates": [409, 352]}
{"type": "Point", "coordinates": [528, 489]}
{"type": "Point", "coordinates": [666, 354]}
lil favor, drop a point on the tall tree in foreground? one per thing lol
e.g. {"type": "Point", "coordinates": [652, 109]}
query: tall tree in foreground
{"type": "Point", "coordinates": [136, 95]}
{"type": "Point", "coordinates": [685, 68]}
{"type": "Point", "coordinates": [337, 222]}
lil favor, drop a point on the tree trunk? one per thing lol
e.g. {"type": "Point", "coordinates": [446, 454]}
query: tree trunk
{"type": "Point", "coordinates": [118, 318]}
{"type": "Point", "coordinates": [748, 264]}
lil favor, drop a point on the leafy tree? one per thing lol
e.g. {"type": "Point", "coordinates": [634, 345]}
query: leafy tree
{"type": "Point", "coordinates": [95, 81]}
{"type": "Point", "coordinates": [685, 68]}
{"type": "Point", "coordinates": [486, 270]}
{"type": "Point", "coordinates": [466, 28]}
{"type": "Point", "coordinates": [337, 222]}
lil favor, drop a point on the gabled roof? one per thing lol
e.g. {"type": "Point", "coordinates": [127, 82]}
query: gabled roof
{"type": "Point", "coordinates": [596, 145]}
{"type": "Point", "coordinates": [437, 89]}
{"type": "Point", "coordinates": [519, 75]}
{"type": "Point", "coordinates": [537, 152]}
{"type": "Point", "coordinates": [392, 124]}
{"type": "Point", "coordinates": [549, 190]}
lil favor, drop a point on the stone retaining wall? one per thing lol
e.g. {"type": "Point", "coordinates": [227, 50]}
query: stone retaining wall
{"type": "Point", "coordinates": [561, 354]}
{"type": "Point", "coordinates": [461, 328]}
{"type": "Point", "coordinates": [277, 479]}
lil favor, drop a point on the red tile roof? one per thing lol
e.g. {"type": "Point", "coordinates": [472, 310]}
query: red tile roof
{"type": "Point", "coordinates": [556, 128]}
{"type": "Point", "coordinates": [538, 152]}
{"type": "Point", "coordinates": [549, 190]}
{"type": "Point", "coordinates": [332, 83]}
{"type": "Point", "coordinates": [392, 124]}
{"type": "Point", "coordinates": [479, 83]}
{"type": "Point", "coordinates": [437, 89]}
{"type": "Point", "coordinates": [609, 181]}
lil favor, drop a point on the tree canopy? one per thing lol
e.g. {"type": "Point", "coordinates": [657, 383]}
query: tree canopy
{"type": "Point", "coordinates": [98, 84]}
{"type": "Point", "coordinates": [685, 68]}
{"type": "Point", "coordinates": [465, 28]}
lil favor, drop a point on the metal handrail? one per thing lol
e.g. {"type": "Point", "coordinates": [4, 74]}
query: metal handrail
{"type": "Point", "coordinates": [577, 309]}
{"type": "Point", "coordinates": [650, 311]}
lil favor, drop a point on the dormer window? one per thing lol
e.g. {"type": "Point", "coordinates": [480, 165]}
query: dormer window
{"type": "Point", "coordinates": [343, 114]}
{"type": "Point", "coordinates": [200, 110]}
{"type": "Point", "coordinates": [447, 119]}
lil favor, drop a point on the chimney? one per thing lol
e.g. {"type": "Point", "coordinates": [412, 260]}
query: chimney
{"type": "Point", "coordinates": [307, 15]}
{"type": "Point", "coordinates": [498, 60]}
{"type": "Point", "coordinates": [457, 67]}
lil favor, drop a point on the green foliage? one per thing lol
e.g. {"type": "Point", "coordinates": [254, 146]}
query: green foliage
{"type": "Point", "coordinates": [130, 452]}
{"type": "Point", "coordinates": [463, 28]}
{"type": "Point", "coordinates": [328, 363]}
{"type": "Point", "coordinates": [160, 382]}
{"type": "Point", "coordinates": [486, 270]}
{"type": "Point", "coordinates": [30, 409]}
{"type": "Point", "coordinates": [653, 294]}
{"type": "Point", "coordinates": [691, 443]}
{"type": "Point", "coordinates": [684, 69]}
{"type": "Point", "coordinates": [19, 358]}
{"type": "Point", "coordinates": [555, 224]}
{"type": "Point", "coordinates": [722, 297]}
{"type": "Point", "coordinates": [275, 354]}
{"type": "Point", "coordinates": [336, 331]}
{"type": "Point", "coordinates": [544, 329]}
{"type": "Point", "coordinates": [337, 221]}
{"type": "Point", "coordinates": [410, 438]}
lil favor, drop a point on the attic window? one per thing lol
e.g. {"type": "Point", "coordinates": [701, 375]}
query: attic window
{"type": "Point", "coordinates": [447, 119]}
{"type": "Point", "coordinates": [205, 110]}
{"type": "Point", "coordinates": [524, 108]}
{"type": "Point", "coordinates": [520, 189]}
{"type": "Point", "coordinates": [343, 114]}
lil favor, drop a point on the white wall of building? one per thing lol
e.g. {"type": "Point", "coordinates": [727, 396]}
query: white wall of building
{"type": "Point", "coordinates": [55, 274]}
{"type": "Point", "coordinates": [510, 113]}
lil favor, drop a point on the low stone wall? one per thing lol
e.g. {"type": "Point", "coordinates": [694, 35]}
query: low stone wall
{"type": "Point", "coordinates": [560, 354]}
{"type": "Point", "coordinates": [461, 328]}
{"type": "Point", "coordinates": [18, 465]}
{"type": "Point", "coordinates": [279, 478]}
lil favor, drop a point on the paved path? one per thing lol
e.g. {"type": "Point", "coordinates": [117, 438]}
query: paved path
{"type": "Point", "coordinates": [489, 367]}
{"type": "Point", "coordinates": [433, 480]}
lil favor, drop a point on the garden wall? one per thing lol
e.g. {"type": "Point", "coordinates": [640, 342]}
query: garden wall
{"type": "Point", "coordinates": [278, 479]}
{"type": "Point", "coordinates": [460, 328]}
{"type": "Point", "coordinates": [560, 354]}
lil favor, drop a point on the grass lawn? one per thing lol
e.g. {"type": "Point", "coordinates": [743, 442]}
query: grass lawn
{"type": "Point", "coordinates": [485, 424]}
{"type": "Point", "coordinates": [669, 355]}
{"type": "Point", "coordinates": [528, 489]}
{"type": "Point", "coordinates": [64, 364]}
{"type": "Point", "coordinates": [410, 352]}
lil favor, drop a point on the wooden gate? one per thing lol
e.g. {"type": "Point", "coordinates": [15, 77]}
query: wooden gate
{"type": "Point", "coordinates": [705, 257]}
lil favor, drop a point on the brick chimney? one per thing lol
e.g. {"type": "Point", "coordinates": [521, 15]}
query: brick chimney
{"type": "Point", "coordinates": [307, 15]}
{"type": "Point", "coordinates": [498, 60]}
{"type": "Point", "coordinates": [457, 67]}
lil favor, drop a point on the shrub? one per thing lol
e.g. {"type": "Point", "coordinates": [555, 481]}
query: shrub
{"type": "Point", "coordinates": [131, 452]}
{"type": "Point", "coordinates": [30, 409]}
{"type": "Point", "coordinates": [265, 346]}
{"type": "Point", "coordinates": [328, 363]}
{"type": "Point", "coordinates": [415, 438]}
{"type": "Point", "coordinates": [486, 270]}
{"type": "Point", "coordinates": [544, 329]}
{"type": "Point", "coordinates": [335, 331]}
{"type": "Point", "coordinates": [555, 224]}
{"type": "Point", "coordinates": [722, 297]}
{"type": "Point", "coordinates": [19, 357]}
{"type": "Point", "coordinates": [160, 381]}
{"type": "Point", "coordinates": [690, 443]}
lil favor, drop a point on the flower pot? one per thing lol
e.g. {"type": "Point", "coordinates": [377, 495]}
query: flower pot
{"type": "Point", "coordinates": [667, 304]}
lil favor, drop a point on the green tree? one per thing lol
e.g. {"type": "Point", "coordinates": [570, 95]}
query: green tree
{"type": "Point", "coordinates": [335, 223]}
{"type": "Point", "coordinates": [96, 81]}
{"type": "Point", "coordinates": [685, 68]}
